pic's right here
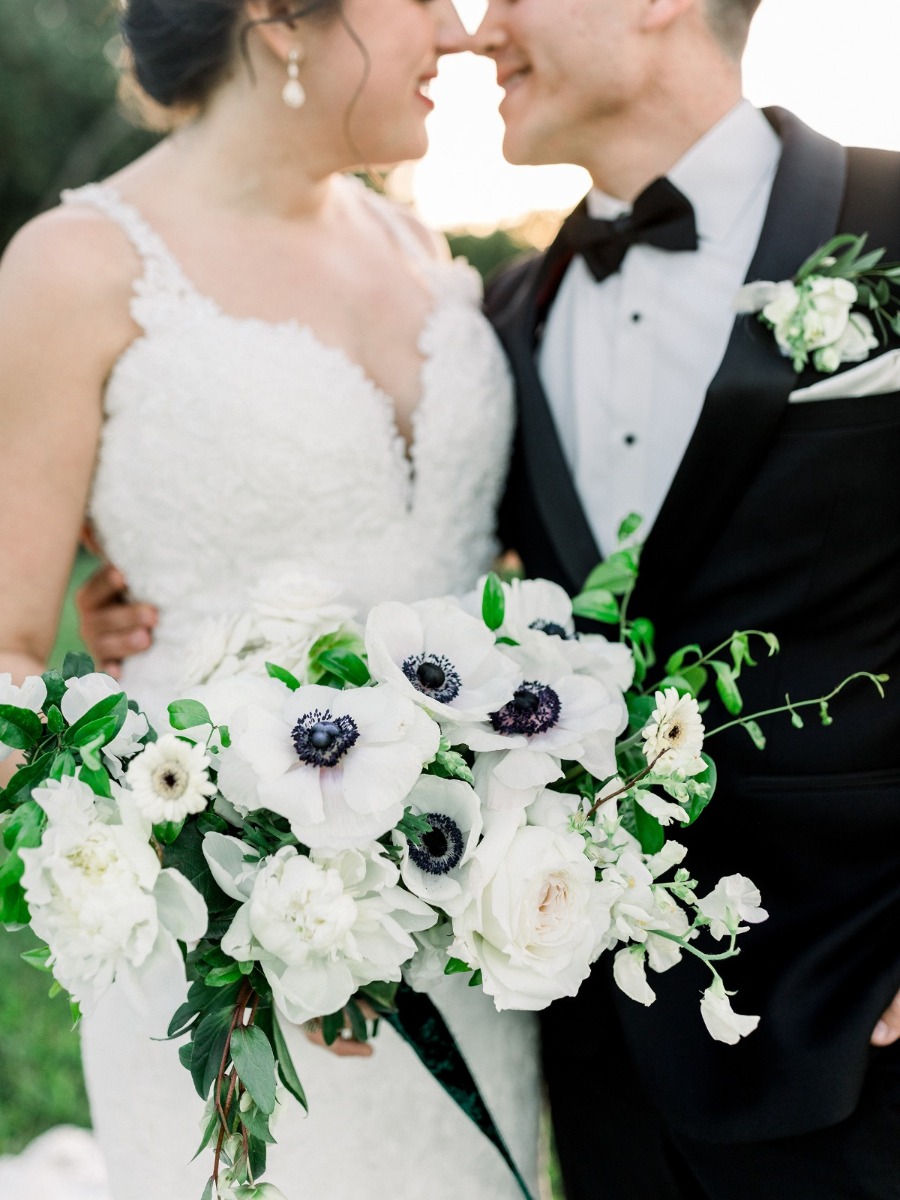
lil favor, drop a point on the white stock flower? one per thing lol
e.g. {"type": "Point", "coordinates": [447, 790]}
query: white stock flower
{"type": "Point", "coordinates": [170, 780]}
{"type": "Point", "coordinates": [437, 869]}
{"type": "Point", "coordinates": [440, 657]}
{"type": "Point", "coordinates": [536, 917]}
{"type": "Point", "coordinates": [321, 927]}
{"type": "Point", "coordinates": [98, 896]}
{"type": "Point", "coordinates": [337, 764]}
{"type": "Point", "coordinates": [723, 1023]}
{"type": "Point", "coordinates": [31, 695]}
{"type": "Point", "coordinates": [82, 694]}
{"type": "Point", "coordinates": [673, 738]}
{"type": "Point", "coordinates": [631, 976]}
{"type": "Point", "coordinates": [734, 899]}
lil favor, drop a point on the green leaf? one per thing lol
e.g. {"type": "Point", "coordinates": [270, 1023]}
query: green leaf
{"type": "Point", "coordinates": [676, 660]}
{"type": "Point", "coordinates": [285, 677]}
{"type": "Point", "coordinates": [413, 827]}
{"type": "Point", "coordinates": [186, 714]}
{"type": "Point", "coordinates": [56, 688]}
{"type": "Point", "coordinates": [208, 1132]}
{"type": "Point", "coordinates": [450, 764]}
{"type": "Point", "coordinates": [756, 734]}
{"type": "Point", "coordinates": [493, 602]}
{"type": "Point", "coordinates": [332, 1024]}
{"type": "Point", "coordinates": [255, 1062]}
{"type": "Point", "coordinates": [382, 996]}
{"type": "Point", "coordinates": [698, 803]}
{"type": "Point", "coordinates": [222, 976]}
{"type": "Point", "coordinates": [26, 779]}
{"type": "Point", "coordinates": [56, 722]}
{"type": "Point", "coordinates": [256, 1122]}
{"type": "Point", "coordinates": [597, 605]}
{"type": "Point", "coordinates": [207, 1048]}
{"type": "Point", "coordinates": [456, 966]}
{"type": "Point", "coordinates": [358, 1023]}
{"type": "Point", "coordinates": [100, 724]}
{"type": "Point", "coordinates": [97, 780]}
{"type": "Point", "coordinates": [347, 666]}
{"type": "Point", "coordinates": [38, 957]}
{"type": "Point", "coordinates": [75, 665]}
{"type": "Point", "coordinates": [630, 525]}
{"type": "Point", "coordinates": [63, 764]}
{"type": "Point", "coordinates": [796, 720]}
{"type": "Point", "coordinates": [647, 830]}
{"type": "Point", "coordinates": [476, 980]}
{"type": "Point", "coordinates": [726, 686]}
{"type": "Point", "coordinates": [186, 854]}
{"type": "Point", "coordinates": [617, 575]}
{"type": "Point", "coordinates": [19, 727]}
{"type": "Point", "coordinates": [287, 1072]}
{"type": "Point", "coordinates": [257, 1158]}
{"type": "Point", "coordinates": [168, 831]}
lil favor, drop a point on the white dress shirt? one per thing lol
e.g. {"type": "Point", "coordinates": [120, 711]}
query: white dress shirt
{"type": "Point", "coordinates": [626, 363]}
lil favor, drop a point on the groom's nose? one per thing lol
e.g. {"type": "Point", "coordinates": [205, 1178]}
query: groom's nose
{"type": "Point", "coordinates": [490, 35]}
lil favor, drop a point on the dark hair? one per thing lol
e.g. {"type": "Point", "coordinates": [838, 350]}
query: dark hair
{"type": "Point", "coordinates": [730, 22]}
{"type": "Point", "coordinates": [180, 49]}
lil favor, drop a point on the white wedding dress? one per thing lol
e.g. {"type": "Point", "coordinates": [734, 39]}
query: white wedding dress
{"type": "Point", "coordinates": [231, 444]}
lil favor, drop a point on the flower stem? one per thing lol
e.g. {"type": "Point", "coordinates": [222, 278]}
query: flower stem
{"type": "Point", "coordinates": [791, 705]}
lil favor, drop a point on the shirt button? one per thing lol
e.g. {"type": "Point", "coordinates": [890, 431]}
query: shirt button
{"type": "Point", "coordinates": [636, 316]}
{"type": "Point", "coordinates": [630, 439]}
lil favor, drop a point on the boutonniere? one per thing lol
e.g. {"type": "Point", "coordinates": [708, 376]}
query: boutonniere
{"type": "Point", "coordinates": [832, 307]}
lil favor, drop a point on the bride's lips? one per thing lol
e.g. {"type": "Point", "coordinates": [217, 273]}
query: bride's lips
{"type": "Point", "coordinates": [423, 89]}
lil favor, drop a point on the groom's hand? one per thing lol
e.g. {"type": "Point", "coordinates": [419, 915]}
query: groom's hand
{"type": "Point", "coordinates": [887, 1030]}
{"type": "Point", "coordinates": [111, 625]}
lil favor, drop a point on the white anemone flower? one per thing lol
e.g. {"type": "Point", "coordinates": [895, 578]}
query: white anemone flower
{"type": "Point", "coordinates": [734, 899]}
{"type": "Point", "coordinates": [170, 780]}
{"type": "Point", "coordinates": [337, 764]}
{"type": "Point", "coordinates": [537, 605]}
{"type": "Point", "coordinates": [100, 899]}
{"type": "Point", "coordinates": [723, 1023]}
{"type": "Point", "coordinates": [82, 694]}
{"type": "Point", "coordinates": [440, 657]}
{"type": "Point", "coordinates": [673, 738]}
{"type": "Point", "coordinates": [31, 695]}
{"type": "Point", "coordinates": [320, 926]}
{"type": "Point", "coordinates": [554, 715]}
{"type": "Point", "coordinates": [436, 870]}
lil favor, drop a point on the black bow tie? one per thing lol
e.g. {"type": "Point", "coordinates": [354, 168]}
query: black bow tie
{"type": "Point", "coordinates": [662, 216]}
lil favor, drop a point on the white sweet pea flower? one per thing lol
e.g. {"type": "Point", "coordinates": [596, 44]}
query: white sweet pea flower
{"type": "Point", "coordinates": [723, 1023]}
{"type": "Point", "coordinates": [673, 738]}
{"type": "Point", "coordinates": [337, 764]}
{"type": "Point", "coordinates": [631, 976]}
{"type": "Point", "coordinates": [734, 899]}
{"type": "Point", "coordinates": [536, 917]}
{"type": "Point", "coordinates": [170, 780]}
{"type": "Point", "coordinates": [440, 657]}
{"type": "Point", "coordinates": [425, 970]}
{"type": "Point", "coordinates": [437, 869]}
{"type": "Point", "coordinates": [31, 695]}
{"type": "Point", "coordinates": [554, 715]}
{"type": "Point", "coordinates": [753, 297]}
{"type": "Point", "coordinates": [671, 855]}
{"type": "Point", "coordinates": [82, 694]}
{"type": "Point", "coordinates": [854, 344]}
{"type": "Point", "coordinates": [664, 811]}
{"type": "Point", "coordinates": [321, 927]}
{"type": "Point", "coordinates": [99, 898]}
{"type": "Point", "coordinates": [780, 309]}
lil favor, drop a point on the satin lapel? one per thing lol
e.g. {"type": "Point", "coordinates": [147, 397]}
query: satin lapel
{"type": "Point", "coordinates": [749, 393]}
{"type": "Point", "coordinates": [548, 473]}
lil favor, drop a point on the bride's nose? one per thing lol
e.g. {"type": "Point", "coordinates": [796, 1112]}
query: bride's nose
{"type": "Point", "coordinates": [452, 37]}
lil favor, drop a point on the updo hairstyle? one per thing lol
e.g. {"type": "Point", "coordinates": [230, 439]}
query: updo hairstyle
{"type": "Point", "coordinates": [181, 49]}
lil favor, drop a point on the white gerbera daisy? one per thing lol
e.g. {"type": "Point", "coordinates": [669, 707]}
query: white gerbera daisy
{"type": "Point", "coordinates": [673, 738]}
{"type": "Point", "coordinates": [170, 780]}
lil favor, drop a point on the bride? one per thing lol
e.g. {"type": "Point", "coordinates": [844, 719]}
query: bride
{"type": "Point", "coordinates": [229, 355]}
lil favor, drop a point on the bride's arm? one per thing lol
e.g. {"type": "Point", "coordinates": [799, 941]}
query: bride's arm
{"type": "Point", "coordinates": [64, 284]}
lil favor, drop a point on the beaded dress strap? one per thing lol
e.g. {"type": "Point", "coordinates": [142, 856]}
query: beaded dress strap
{"type": "Point", "coordinates": [162, 274]}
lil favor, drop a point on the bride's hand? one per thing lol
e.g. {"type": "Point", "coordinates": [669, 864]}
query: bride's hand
{"type": "Point", "coordinates": [345, 1045]}
{"type": "Point", "coordinates": [111, 626]}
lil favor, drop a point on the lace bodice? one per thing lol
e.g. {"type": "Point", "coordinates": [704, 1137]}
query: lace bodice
{"type": "Point", "coordinates": [231, 443]}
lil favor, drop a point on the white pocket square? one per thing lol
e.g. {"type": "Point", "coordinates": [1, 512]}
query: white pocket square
{"type": "Point", "coordinates": [875, 377]}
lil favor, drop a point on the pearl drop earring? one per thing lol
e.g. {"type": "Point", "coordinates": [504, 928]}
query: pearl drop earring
{"type": "Point", "coordinates": [292, 93]}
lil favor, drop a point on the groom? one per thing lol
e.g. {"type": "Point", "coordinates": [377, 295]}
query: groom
{"type": "Point", "coordinates": [639, 392]}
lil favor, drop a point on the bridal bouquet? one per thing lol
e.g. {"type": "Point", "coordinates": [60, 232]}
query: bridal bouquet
{"type": "Point", "coordinates": [340, 815]}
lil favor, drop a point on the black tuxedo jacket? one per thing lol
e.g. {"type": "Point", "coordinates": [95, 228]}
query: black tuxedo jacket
{"type": "Point", "coordinates": [784, 518]}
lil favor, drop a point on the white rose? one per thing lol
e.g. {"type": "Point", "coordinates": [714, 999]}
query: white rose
{"type": "Point", "coordinates": [534, 926]}
{"type": "Point", "coordinates": [30, 695]}
{"type": "Point", "coordinates": [82, 694]}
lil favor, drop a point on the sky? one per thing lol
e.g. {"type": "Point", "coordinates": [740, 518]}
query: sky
{"type": "Point", "coordinates": [833, 62]}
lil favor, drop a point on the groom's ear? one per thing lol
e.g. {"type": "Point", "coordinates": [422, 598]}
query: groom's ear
{"type": "Point", "coordinates": [659, 14]}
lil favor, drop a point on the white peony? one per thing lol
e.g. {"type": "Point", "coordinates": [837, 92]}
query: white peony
{"type": "Point", "coordinates": [31, 695]}
{"type": "Point", "coordinates": [82, 694]}
{"type": "Point", "coordinates": [536, 917]}
{"type": "Point", "coordinates": [321, 927]}
{"type": "Point", "coordinates": [170, 780]}
{"type": "Point", "coordinates": [337, 764]}
{"type": "Point", "coordinates": [734, 899]}
{"type": "Point", "coordinates": [440, 657]}
{"type": "Point", "coordinates": [723, 1023]}
{"type": "Point", "coordinates": [437, 869]}
{"type": "Point", "coordinates": [673, 737]}
{"type": "Point", "coordinates": [100, 899]}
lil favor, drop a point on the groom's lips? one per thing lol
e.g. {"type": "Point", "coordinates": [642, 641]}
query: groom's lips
{"type": "Point", "coordinates": [509, 77]}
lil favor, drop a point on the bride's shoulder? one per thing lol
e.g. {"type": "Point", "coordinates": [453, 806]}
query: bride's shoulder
{"type": "Point", "coordinates": [427, 242]}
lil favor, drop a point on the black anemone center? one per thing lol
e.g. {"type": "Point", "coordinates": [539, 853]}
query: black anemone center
{"type": "Point", "coordinates": [434, 675]}
{"type": "Point", "coordinates": [533, 709]}
{"type": "Point", "coordinates": [551, 628]}
{"type": "Point", "coordinates": [322, 740]}
{"type": "Point", "coordinates": [441, 848]}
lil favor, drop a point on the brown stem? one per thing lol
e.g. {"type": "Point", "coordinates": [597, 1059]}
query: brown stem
{"type": "Point", "coordinates": [627, 786]}
{"type": "Point", "coordinates": [246, 995]}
